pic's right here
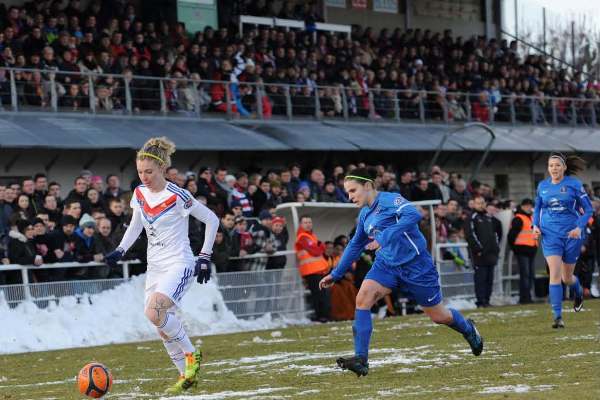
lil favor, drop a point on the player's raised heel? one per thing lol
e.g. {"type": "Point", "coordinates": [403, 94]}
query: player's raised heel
{"type": "Point", "coordinates": [558, 323]}
{"type": "Point", "coordinates": [356, 364]}
{"type": "Point", "coordinates": [474, 339]}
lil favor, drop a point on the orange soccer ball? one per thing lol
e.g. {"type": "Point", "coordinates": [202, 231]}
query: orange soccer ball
{"type": "Point", "coordinates": [94, 380]}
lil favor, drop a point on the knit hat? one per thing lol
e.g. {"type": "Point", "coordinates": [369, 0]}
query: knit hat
{"type": "Point", "coordinates": [87, 222]}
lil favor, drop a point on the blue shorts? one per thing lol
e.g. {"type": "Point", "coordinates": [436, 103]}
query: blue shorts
{"type": "Point", "coordinates": [419, 279]}
{"type": "Point", "coordinates": [569, 249]}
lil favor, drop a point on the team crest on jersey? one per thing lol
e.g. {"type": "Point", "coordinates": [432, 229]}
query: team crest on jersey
{"type": "Point", "coordinates": [187, 204]}
{"type": "Point", "coordinates": [563, 189]}
{"type": "Point", "coordinates": [398, 201]}
{"type": "Point", "coordinates": [377, 210]}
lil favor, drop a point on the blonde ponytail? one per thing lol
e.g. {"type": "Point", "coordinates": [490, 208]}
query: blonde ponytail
{"type": "Point", "coordinates": [157, 149]}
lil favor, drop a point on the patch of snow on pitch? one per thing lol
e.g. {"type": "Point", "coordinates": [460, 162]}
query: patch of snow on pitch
{"type": "Point", "coordinates": [580, 337]}
{"type": "Point", "coordinates": [461, 304]}
{"type": "Point", "coordinates": [573, 355]}
{"type": "Point", "coordinates": [229, 394]}
{"type": "Point", "coordinates": [309, 391]}
{"type": "Point", "coordinates": [259, 340]}
{"type": "Point", "coordinates": [114, 316]}
{"type": "Point", "coordinates": [515, 389]}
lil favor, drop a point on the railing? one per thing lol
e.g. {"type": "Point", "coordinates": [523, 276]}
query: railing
{"type": "Point", "coordinates": [128, 95]}
{"type": "Point", "coordinates": [456, 280]}
{"type": "Point", "coordinates": [253, 293]}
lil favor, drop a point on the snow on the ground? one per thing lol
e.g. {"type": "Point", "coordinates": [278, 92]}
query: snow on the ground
{"type": "Point", "coordinates": [515, 389]}
{"type": "Point", "coordinates": [461, 304]}
{"type": "Point", "coordinates": [579, 337]}
{"type": "Point", "coordinates": [114, 316]}
{"type": "Point", "coordinates": [229, 394]}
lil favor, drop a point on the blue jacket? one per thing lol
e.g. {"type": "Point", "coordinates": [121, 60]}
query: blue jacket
{"type": "Point", "coordinates": [394, 222]}
{"type": "Point", "coordinates": [561, 207]}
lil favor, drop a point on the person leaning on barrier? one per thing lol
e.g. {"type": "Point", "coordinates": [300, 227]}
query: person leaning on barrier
{"type": "Point", "coordinates": [242, 244]}
{"type": "Point", "coordinates": [21, 247]}
{"type": "Point", "coordinates": [104, 243]}
{"type": "Point", "coordinates": [280, 237]}
{"type": "Point", "coordinates": [221, 252]}
{"type": "Point", "coordinates": [85, 246]}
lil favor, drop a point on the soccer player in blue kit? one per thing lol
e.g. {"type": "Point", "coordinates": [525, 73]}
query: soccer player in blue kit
{"type": "Point", "coordinates": [562, 210]}
{"type": "Point", "coordinates": [389, 224]}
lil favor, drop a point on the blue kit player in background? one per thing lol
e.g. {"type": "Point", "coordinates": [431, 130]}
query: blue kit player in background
{"type": "Point", "coordinates": [389, 224]}
{"type": "Point", "coordinates": [562, 210]}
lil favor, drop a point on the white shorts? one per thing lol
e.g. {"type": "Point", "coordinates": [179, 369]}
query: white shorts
{"type": "Point", "coordinates": [172, 281]}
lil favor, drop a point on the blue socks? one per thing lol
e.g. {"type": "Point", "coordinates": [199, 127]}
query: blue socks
{"type": "Point", "coordinates": [362, 328]}
{"type": "Point", "coordinates": [556, 298]}
{"type": "Point", "coordinates": [576, 286]}
{"type": "Point", "coordinates": [459, 323]}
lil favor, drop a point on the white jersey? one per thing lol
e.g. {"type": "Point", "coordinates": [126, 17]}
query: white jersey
{"type": "Point", "coordinates": [165, 215]}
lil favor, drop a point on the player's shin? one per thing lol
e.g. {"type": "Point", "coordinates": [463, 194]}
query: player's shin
{"type": "Point", "coordinates": [177, 356]}
{"type": "Point", "coordinates": [362, 329]}
{"type": "Point", "coordinates": [173, 329]}
{"type": "Point", "coordinates": [556, 298]}
{"type": "Point", "coordinates": [459, 323]}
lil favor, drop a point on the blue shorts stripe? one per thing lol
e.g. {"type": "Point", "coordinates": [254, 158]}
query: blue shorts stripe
{"type": "Point", "coordinates": [182, 284]}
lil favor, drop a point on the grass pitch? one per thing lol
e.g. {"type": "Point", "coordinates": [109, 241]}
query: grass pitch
{"type": "Point", "coordinates": [411, 358]}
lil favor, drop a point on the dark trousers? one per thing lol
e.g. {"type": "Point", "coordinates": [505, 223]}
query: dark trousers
{"type": "Point", "coordinates": [320, 299]}
{"type": "Point", "coordinates": [484, 281]}
{"type": "Point", "coordinates": [526, 276]}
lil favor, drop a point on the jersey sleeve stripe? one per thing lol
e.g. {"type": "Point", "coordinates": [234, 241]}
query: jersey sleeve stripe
{"type": "Point", "coordinates": [182, 192]}
{"type": "Point", "coordinates": [179, 193]}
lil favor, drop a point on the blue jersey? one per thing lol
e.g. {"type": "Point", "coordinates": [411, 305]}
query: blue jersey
{"type": "Point", "coordinates": [561, 207]}
{"type": "Point", "coordinates": [394, 222]}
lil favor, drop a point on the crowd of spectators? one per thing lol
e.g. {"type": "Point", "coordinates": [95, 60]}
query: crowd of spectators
{"type": "Point", "coordinates": [434, 68]}
{"type": "Point", "coordinates": [38, 225]}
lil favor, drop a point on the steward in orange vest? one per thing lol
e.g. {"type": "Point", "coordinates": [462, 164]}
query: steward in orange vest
{"type": "Point", "coordinates": [313, 266]}
{"type": "Point", "coordinates": [309, 253]}
{"type": "Point", "coordinates": [524, 244]}
{"type": "Point", "coordinates": [521, 237]}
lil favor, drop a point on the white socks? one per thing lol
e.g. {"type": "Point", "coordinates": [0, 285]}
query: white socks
{"type": "Point", "coordinates": [173, 329]}
{"type": "Point", "coordinates": [176, 354]}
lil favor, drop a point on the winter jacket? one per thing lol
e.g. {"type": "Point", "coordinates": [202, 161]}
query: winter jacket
{"type": "Point", "coordinates": [483, 233]}
{"type": "Point", "coordinates": [20, 249]}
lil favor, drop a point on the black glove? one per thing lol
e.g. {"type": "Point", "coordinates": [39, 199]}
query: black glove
{"type": "Point", "coordinates": [203, 268]}
{"type": "Point", "coordinates": [114, 256]}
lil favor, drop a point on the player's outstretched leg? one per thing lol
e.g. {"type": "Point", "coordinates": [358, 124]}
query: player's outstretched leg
{"type": "Point", "coordinates": [455, 320]}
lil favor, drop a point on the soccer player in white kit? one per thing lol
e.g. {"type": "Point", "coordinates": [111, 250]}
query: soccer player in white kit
{"type": "Point", "coordinates": [162, 208]}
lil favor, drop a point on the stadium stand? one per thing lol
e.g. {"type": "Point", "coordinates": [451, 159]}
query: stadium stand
{"type": "Point", "coordinates": [413, 74]}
